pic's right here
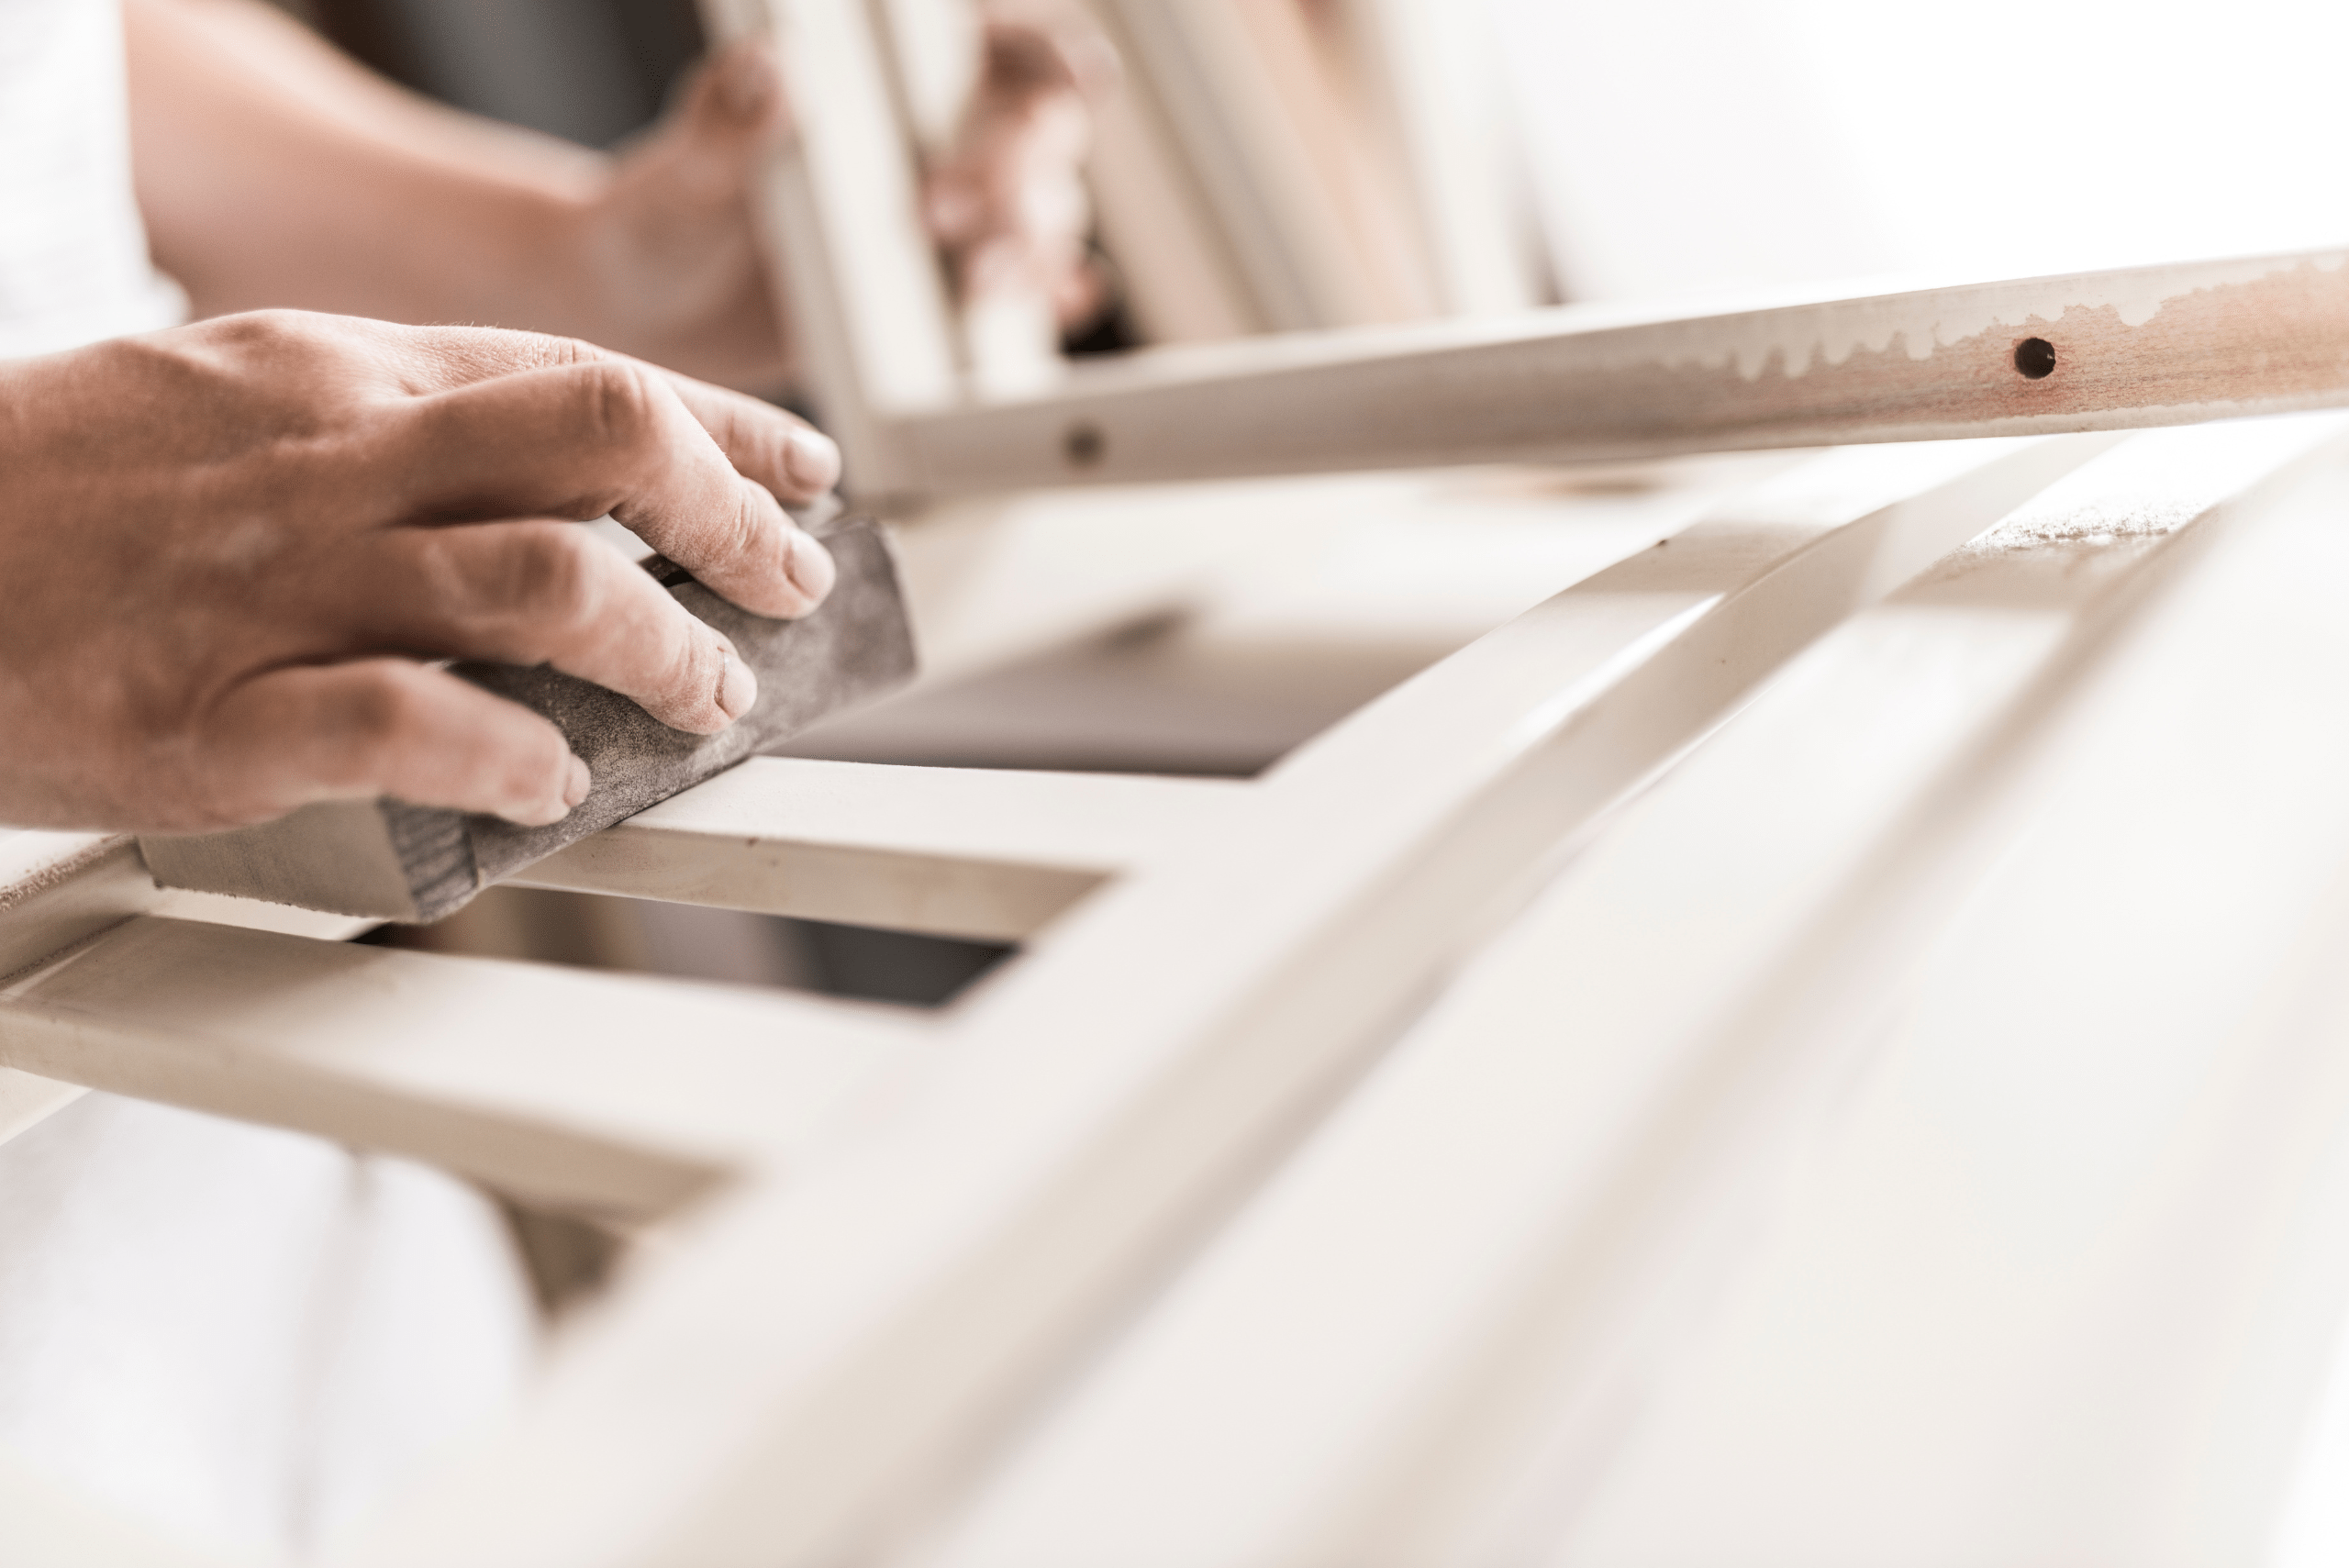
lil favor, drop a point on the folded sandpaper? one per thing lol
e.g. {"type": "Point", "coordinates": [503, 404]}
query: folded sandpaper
{"type": "Point", "coordinates": [398, 861]}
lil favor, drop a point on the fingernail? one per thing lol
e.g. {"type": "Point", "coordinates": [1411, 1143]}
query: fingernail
{"type": "Point", "coordinates": [812, 459]}
{"type": "Point", "coordinates": [575, 782]}
{"type": "Point", "coordinates": [750, 82]}
{"type": "Point", "coordinates": [809, 566]}
{"type": "Point", "coordinates": [737, 689]}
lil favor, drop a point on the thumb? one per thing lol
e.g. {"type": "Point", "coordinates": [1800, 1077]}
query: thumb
{"type": "Point", "coordinates": [740, 94]}
{"type": "Point", "coordinates": [733, 109]}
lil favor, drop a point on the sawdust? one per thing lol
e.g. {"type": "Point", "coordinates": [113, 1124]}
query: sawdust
{"type": "Point", "coordinates": [2092, 525]}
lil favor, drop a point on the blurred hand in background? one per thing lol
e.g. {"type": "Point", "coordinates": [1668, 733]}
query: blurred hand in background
{"type": "Point", "coordinates": [274, 172]}
{"type": "Point", "coordinates": [1009, 204]}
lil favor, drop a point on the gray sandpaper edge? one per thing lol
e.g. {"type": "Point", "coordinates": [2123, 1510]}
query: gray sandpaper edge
{"type": "Point", "coordinates": [397, 861]}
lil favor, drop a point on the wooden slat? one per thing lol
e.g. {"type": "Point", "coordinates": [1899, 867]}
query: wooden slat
{"type": "Point", "coordinates": [2148, 346]}
{"type": "Point", "coordinates": [991, 582]}
{"type": "Point", "coordinates": [1184, 280]}
{"type": "Point", "coordinates": [1419, 1348]}
{"type": "Point", "coordinates": [1225, 115]}
{"type": "Point", "coordinates": [885, 1313]}
{"type": "Point", "coordinates": [2060, 1276]}
{"type": "Point", "coordinates": [601, 1091]}
{"type": "Point", "coordinates": [57, 889]}
{"type": "Point", "coordinates": [856, 276]}
{"type": "Point", "coordinates": [990, 854]}
{"type": "Point", "coordinates": [1434, 71]}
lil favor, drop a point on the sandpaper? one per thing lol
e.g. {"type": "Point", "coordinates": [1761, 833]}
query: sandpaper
{"type": "Point", "coordinates": [399, 861]}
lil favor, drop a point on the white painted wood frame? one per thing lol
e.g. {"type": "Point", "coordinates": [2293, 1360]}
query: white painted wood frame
{"type": "Point", "coordinates": [1529, 1212]}
{"type": "Point", "coordinates": [888, 1237]}
{"type": "Point", "coordinates": [947, 1288]}
{"type": "Point", "coordinates": [863, 1182]}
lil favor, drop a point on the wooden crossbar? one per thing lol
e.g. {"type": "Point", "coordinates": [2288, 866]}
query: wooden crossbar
{"type": "Point", "coordinates": [2111, 350]}
{"type": "Point", "coordinates": [595, 1092]}
{"type": "Point", "coordinates": [982, 853]}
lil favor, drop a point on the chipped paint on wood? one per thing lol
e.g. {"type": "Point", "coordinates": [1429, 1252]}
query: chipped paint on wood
{"type": "Point", "coordinates": [2148, 346]}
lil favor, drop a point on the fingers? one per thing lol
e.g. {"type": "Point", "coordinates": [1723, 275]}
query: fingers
{"type": "Point", "coordinates": [612, 436]}
{"type": "Point", "coordinates": [779, 450]}
{"type": "Point", "coordinates": [1010, 205]}
{"type": "Point", "coordinates": [387, 727]}
{"type": "Point", "coordinates": [547, 592]}
{"type": "Point", "coordinates": [776, 448]}
{"type": "Point", "coordinates": [1025, 57]}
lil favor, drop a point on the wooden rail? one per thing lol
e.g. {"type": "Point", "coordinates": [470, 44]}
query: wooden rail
{"type": "Point", "coordinates": [2106, 350]}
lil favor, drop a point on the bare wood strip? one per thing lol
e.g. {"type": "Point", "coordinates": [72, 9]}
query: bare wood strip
{"type": "Point", "coordinates": [610, 1093]}
{"type": "Point", "coordinates": [984, 853]}
{"type": "Point", "coordinates": [2107, 350]}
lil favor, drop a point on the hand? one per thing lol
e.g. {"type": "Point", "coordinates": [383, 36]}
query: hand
{"type": "Point", "coordinates": [225, 548]}
{"type": "Point", "coordinates": [1009, 204]}
{"type": "Point", "coordinates": [671, 246]}
{"type": "Point", "coordinates": [671, 242]}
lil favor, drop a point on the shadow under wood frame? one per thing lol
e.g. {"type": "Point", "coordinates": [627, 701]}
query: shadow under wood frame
{"type": "Point", "coordinates": [692, 942]}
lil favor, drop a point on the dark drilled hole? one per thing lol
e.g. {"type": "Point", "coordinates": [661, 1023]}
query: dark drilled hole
{"type": "Point", "coordinates": [2035, 357]}
{"type": "Point", "coordinates": [1084, 444]}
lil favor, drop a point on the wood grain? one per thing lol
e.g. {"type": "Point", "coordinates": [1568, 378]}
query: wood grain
{"type": "Point", "coordinates": [2152, 346]}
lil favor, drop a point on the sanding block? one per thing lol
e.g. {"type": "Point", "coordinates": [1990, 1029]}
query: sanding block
{"type": "Point", "coordinates": [398, 861]}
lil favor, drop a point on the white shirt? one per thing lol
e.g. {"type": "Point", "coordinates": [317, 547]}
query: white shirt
{"type": "Point", "coordinates": [244, 1339]}
{"type": "Point", "coordinates": [73, 264]}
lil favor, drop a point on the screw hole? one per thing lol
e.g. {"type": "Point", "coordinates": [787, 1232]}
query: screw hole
{"type": "Point", "coordinates": [1085, 444]}
{"type": "Point", "coordinates": [2035, 357]}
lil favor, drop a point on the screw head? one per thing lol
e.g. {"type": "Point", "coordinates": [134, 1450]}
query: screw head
{"type": "Point", "coordinates": [1084, 444]}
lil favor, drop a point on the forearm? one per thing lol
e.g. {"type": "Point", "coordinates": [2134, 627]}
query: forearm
{"type": "Point", "coordinates": [273, 172]}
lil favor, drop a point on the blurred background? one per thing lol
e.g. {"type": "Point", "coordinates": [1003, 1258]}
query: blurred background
{"type": "Point", "coordinates": [1341, 160]}
{"type": "Point", "coordinates": [1273, 165]}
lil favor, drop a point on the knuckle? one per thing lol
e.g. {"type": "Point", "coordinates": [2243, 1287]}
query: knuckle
{"type": "Point", "coordinates": [549, 574]}
{"type": "Point", "coordinates": [378, 709]}
{"type": "Point", "coordinates": [527, 756]}
{"type": "Point", "coordinates": [699, 663]}
{"type": "Point", "coordinates": [559, 351]}
{"type": "Point", "coordinates": [749, 535]}
{"type": "Point", "coordinates": [688, 693]}
{"type": "Point", "coordinates": [621, 404]}
{"type": "Point", "coordinates": [466, 354]}
{"type": "Point", "coordinates": [278, 335]}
